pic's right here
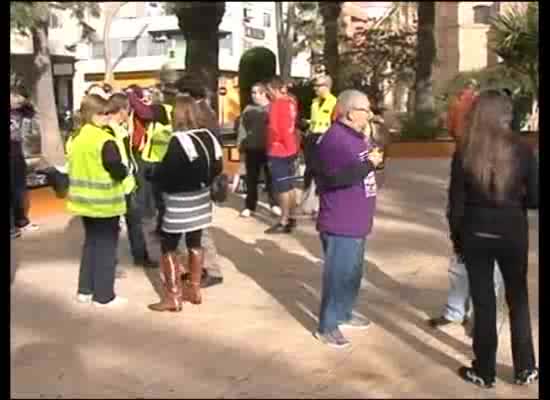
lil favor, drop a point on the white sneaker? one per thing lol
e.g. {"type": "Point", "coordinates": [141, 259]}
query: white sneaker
{"type": "Point", "coordinates": [29, 228]}
{"type": "Point", "coordinates": [246, 213]}
{"type": "Point", "coordinates": [276, 210]}
{"type": "Point", "coordinates": [84, 298]}
{"type": "Point", "coordinates": [116, 302]}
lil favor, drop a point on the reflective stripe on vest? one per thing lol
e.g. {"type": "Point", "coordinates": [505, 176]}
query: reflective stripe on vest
{"type": "Point", "coordinates": [158, 137]}
{"type": "Point", "coordinates": [92, 191]}
{"type": "Point", "coordinates": [321, 117]}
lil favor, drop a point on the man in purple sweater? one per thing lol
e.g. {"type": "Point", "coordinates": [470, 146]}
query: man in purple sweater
{"type": "Point", "coordinates": [347, 188]}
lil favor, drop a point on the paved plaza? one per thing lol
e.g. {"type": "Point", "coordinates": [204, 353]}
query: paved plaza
{"type": "Point", "coordinates": [252, 336]}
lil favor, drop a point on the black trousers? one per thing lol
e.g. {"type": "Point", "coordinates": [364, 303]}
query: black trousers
{"type": "Point", "coordinates": [255, 161]}
{"type": "Point", "coordinates": [18, 189]}
{"type": "Point", "coordinates": [480, 254]}
{"type": "Point", "coordinates": [160, 205]}
{"type": "Point", "coordinates": [144, 194]}
{"type": "Point", "coordinates": [134, 223]}
{"type": "Point", "coordinates": [309, 145]}
{"type": "Point", "coordinates": [97, 267]}
{"type": "Point", "coordinates": [169, 241]}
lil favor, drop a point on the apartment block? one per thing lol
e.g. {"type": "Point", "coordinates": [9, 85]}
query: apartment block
{"type": "Point", "coordinates": [143, 39]}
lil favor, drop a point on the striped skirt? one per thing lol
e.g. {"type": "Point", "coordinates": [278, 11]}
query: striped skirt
{"type": "Point", "coordinates": [187, 212]}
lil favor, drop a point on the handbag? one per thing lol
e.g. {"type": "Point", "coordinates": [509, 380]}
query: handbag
{"type": "Point", "coordinates": [219, 185]}
{"type": "Point", "coordinates": [59, 181]}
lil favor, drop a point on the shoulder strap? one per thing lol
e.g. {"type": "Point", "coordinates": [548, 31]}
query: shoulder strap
{"type": "Point", "coordinates": [192, 134]}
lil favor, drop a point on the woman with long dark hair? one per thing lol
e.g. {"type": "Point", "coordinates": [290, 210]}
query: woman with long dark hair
{"type": "Point", "coordinates": [494, 180]}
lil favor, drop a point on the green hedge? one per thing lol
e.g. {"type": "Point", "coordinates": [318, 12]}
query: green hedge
{"type": "Point", "coordinates": [258, 64]}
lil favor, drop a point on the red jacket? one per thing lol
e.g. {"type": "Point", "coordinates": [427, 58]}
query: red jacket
{"type": "Point", "coordinates": [282, 140]}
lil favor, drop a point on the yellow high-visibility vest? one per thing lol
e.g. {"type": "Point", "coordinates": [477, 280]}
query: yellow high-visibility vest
{"type": "Point", "coordinates": [158, 137]}
{"type": "Point", "coordinates": [92, 191]}
{"type": "Point", "coordinates": [321, 116]}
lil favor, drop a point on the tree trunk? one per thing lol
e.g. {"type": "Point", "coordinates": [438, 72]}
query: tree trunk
{"type": "Point", "coordinates": [330, 12]}
{"type": "Point", "coordinates": [51, 142]}
{"type": "Point", "coordinates": [425, 56]}
{"type": "Point", "coordinates": [285, 38]}
{"type": "Point", "coordinates": [203, 42]}
{"type": "Point", "coordinates": [534, 118]}
{"type": "Point", "coordinates": [110, 12]}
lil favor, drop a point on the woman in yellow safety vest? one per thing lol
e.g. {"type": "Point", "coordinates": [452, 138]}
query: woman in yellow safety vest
{"type": "Point", "coordinates": [96, 194]}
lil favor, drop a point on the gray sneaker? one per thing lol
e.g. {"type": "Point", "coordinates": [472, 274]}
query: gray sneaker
{"type": "Point", "coordinates": [333, 339]}
{"type": "Point", "coordinates": [356, 322]}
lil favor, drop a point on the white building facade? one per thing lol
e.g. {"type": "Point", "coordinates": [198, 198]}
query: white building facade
{"type": "Point", "coordinates": [142, 38]}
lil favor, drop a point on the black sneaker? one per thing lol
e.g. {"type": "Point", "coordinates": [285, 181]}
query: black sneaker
{"type": "Point", "coordinates": [470, 375]}
{"type": "Point", "coordinates": [527, 376]}
{"type": "Point", "coordinates": [279, 228]}
{"type": "Point", "coordinates": [207, 280]}
{"type": "Point", "coordinates": [356, 322]}
{"type": "Point", "coordinates": [439, 321]}
{"type": "Point", "coordinates": [292, 223]}
{"type": "Point", "coordinates": [333, 339]}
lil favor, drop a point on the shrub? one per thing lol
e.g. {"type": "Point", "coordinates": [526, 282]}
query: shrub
{"type": "Point", "coordinates": [420, 126]}
{"type": "Point", "coordinates": [256, 65]}
{"type": "Point", "coordinates": [498, 77]}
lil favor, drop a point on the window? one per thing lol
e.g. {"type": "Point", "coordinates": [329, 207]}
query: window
{"type": "Point", "coordinates": [267, 20]}
{"type": "Point", "coordinates": [128, 48]}
{"type": "Point", "coordinates": [157, 46]}
{"type": "Point", "coordinates": [54, 21]}
{"type": "Point", "coordinates": [247, 13]}
{"type": "Point", "coordinates": [98, 51]}
{"type": "Point", "coordinates": [482, 14]}
{"type": "Point", "coordinates": [254, 33]}
{"type": "Point", "coordinates": [227, 43]}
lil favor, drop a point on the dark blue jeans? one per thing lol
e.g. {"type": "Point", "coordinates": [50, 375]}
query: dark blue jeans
{"type": "Point", "coordinates": [97, 267]}
{"type": "Point", "coordinates": [342, 276]}
{"type": "Point", "coordinates": [134, 224]}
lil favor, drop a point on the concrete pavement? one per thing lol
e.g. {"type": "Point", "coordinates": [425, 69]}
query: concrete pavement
{"type": "Point", "coordinates": [252, 336]}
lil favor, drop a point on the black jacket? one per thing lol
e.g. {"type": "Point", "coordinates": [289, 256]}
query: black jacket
{"type": "Point", "coordinates": [176, 173]}
{"type": "Point", "coordinates": [470, 209]}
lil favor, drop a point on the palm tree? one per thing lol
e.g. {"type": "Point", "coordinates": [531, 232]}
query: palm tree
{"type": "Point", "coordinates": [330, 11]}
{"type": "Point", "coordinates": [199, 22]}
{"type": "Point", "coordinates": [516, 41]}
{"type": "Point", "coordinates": [425, 56]}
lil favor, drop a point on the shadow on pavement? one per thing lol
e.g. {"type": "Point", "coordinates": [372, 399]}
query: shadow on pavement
{"type": "Point", "coordinates": [284, 285]}
{"type": "Point", "coordinates": [98, 353]}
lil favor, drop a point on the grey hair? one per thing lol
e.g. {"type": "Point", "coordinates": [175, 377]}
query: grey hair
{"type": "Point", "coordinates": [348, 100]}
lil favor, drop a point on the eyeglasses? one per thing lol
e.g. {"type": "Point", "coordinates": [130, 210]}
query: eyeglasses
{"type": "Point", "coordinates": [363, 109]}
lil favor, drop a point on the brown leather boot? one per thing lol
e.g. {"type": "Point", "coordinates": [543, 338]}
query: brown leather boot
{"type": "Point", "coordinates": [192, 289]}
{"type": "Point", "coordinates": [170, 270]}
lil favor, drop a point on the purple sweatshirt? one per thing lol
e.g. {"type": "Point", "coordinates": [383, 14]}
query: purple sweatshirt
{"type": "Point", "coordinates": [346, 211]}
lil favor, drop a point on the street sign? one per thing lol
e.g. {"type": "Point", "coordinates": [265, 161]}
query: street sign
{"type": "Point", "coordinates": [222, 91]}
